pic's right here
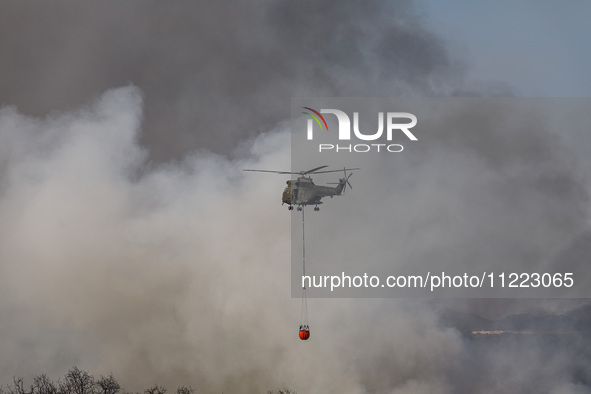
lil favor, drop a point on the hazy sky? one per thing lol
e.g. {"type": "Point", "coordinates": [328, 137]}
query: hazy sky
{"type": "Point", "coordinates": [538, 48]}
{"type": "Point", "coordinates": [132, 242]}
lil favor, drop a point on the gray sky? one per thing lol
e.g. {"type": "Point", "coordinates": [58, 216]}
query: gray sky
{"type": "Point", "coordinates": [133, 244]}
{"type": "Point", "coordinates": [538, 48]}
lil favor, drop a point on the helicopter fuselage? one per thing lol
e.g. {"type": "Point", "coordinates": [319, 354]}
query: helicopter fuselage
{"type": "Point", "coordinates": [303, 191]}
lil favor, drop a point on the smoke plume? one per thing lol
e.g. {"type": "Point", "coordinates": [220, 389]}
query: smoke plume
{"type": "Point", "coordinates": [178, 273]}
{"type": "Point", "coordinates": [133, 244]}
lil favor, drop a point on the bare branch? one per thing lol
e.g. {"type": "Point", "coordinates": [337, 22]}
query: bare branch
{"type": "Point", "coordinates": [155, 390]}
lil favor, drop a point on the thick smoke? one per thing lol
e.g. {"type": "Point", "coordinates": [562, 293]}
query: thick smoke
{"type": "Point", "coordinates": [215, 72]}
{"type": "Point", "coordinates": [179, 274]}
{"type": "Point", "coordinates": [128, 247]}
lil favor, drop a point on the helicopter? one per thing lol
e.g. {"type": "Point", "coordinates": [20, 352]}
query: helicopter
{"type": "Point", "coordinates": [303, 191]}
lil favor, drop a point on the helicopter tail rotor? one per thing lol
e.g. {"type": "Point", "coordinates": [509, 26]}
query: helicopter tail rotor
{"type": "Point", "coordinates": [344, 182]}
{"type": "Point", "coordinates": [346, 179]}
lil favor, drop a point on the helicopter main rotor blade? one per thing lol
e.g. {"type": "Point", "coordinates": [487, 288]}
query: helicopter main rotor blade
{"type": "Point", "coordinates": [289, 172]}
{"type": "Point", "coordinates": [323, 172]}
{"type": "Point", "coordinates": [275, 172]}
{"type": "Point", "coordinates": [312, 170]}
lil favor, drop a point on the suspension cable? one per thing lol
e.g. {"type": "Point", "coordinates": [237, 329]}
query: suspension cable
{"type": "Point", "coordinates": [303, 246]}
{"type": "Point", "coordinates": [304, 310]}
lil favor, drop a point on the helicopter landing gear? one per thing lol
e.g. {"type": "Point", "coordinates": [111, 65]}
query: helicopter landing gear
{"type": "Point", "coordinates": [290, 207]}
{"type": "Point", "coordinates": [316, 209]}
